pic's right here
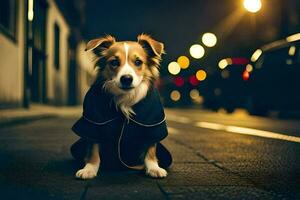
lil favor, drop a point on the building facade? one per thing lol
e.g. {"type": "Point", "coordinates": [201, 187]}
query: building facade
{"type": "Point", "coordinates": [37, 54]}
{"type": "Point", "coordinates": [11, 53]}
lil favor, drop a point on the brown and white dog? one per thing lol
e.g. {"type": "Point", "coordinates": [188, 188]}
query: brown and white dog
{"type": "Point", "coordinates": [129, 68]}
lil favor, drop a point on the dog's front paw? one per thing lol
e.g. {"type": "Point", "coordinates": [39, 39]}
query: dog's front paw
{"type": "Point", "coordinates": [88, 172]}
{"type": "Point", "coordinates": [156, 172]}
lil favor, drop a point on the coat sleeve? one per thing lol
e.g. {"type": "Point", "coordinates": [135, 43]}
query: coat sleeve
{"type": "Point", "coordinates": [98, 119]}
{"type": "Point", "coordinates": [92, 131]}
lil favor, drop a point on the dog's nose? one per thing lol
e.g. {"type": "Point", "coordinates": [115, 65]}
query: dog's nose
{"type": "Point", "coordinates": [126, 80]}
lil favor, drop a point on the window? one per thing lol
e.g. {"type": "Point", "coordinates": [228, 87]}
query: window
{"type": "Point", "coordinates": [56, 46]}
{"type": "Point", "coordinates": [8, 15]}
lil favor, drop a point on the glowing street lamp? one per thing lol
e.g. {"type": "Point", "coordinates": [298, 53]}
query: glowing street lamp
{"type": "Point", "coordinates": [30, 13]}
{"type": "Point", "coordinates": [209, 39]}
{"type": "Point", "coordinates": [252, 6]}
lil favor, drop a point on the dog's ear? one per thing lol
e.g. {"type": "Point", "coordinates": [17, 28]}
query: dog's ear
{"type": "Point", "coordinates": [152, 47]}
{"type": "Point", "coordinates": [100, 44]}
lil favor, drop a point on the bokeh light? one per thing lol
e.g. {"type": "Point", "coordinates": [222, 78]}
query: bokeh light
{"type": "Point", "coordinates": [217, 91]}
{"type": "Point", "coordinates": [246, 75]}
{"type": "Point", "coordinates": [289, 61]}
{"type": "Point", "coordinates": [209, 39]}
{"type": "Point", "coordinates": [292, 51]}
{"type": "Point", "coordinates": [179, 81]}
{"type": "Point", "coordinates": [225, 74]}
{"type": "Point", "coordinates": [255, 56]}
{"type": "Point", "coordinates": [197, 51]}
{"type": "Point", "coordinates": [196, 97]}
{"type": "Point", "coordinates": [293, 38]}
{"type": "Point", "coordinates": [201, 75]}
{"type": "Point", "coordinates": [193, 80]}
{"type": "Point", "coordinates": [175, 95]}
{"type": "Point", "coordinates": [183, 62]}
{"type": "Point", "coordinates": [252, 5]}
{"type": "Point", "coordinates": [249, 68]}
{"type": "Point", "coordinates": [194, 93]}
{"type": "Point", "coordinates": [174, 68]}
{"type": "Point", "coordinates": [224, 63]}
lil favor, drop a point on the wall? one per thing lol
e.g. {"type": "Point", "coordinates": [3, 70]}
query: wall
{"type": "Point", "coordinates": [57, 80]}
{"type": "Point", "coordinates": [11, 64]}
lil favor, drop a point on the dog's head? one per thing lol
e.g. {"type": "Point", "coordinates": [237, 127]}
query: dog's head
{"type": "Point", "coordinates": [125, 65]}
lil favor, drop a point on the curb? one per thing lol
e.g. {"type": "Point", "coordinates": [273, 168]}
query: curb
{"type": "Point", "coordinates": [24, 119]}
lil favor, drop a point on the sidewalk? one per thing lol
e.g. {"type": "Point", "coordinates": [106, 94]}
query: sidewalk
{"type": "Point", "coordinates": [37, 111]}
{"type": "Point", "coordinates": [35, 163]}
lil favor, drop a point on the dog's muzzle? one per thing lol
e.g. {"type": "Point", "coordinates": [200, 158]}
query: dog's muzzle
{"type": "Point", "coordinates": [126, 81]}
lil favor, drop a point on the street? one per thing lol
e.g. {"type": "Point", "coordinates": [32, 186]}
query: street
{"type": "Point", "coordinates": [216, 156]}
{"type": "Point", "coordinates": [226, 75]}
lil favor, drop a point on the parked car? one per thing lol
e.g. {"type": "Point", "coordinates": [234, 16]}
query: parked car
{"type": "Point", "coordinates": [275, 81]}
{"type": "Point", "coordinates": [226, 88]}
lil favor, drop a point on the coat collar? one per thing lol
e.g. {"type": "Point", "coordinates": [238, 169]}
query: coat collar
{"type": "Point", "coordinates": [100, 108]}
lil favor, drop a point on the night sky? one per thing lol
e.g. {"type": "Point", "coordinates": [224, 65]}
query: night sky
{"type": "Point", "coordinates": [179, 24]}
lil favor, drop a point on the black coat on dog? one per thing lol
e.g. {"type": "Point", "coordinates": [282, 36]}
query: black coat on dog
{"type": "Point", "coordinates": [122, 141]}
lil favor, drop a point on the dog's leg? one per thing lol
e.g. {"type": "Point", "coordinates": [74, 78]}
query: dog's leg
{"type": "Point", "coordinates": [151, 164]}
{"type": "Point", "coordinates": [92, 161]}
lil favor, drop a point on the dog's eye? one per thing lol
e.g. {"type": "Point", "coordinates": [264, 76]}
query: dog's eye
{"type": "Point", "coordinates": [114, 63]}
{"type": "Point", "coordinates": [138, 62]}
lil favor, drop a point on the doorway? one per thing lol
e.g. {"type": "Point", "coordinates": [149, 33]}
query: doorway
{"type": "Point", "coordinates": [38, 52]}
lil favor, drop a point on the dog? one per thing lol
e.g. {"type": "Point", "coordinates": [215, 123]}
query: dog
{"type": "Point", "coordinates": [123, 105]}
